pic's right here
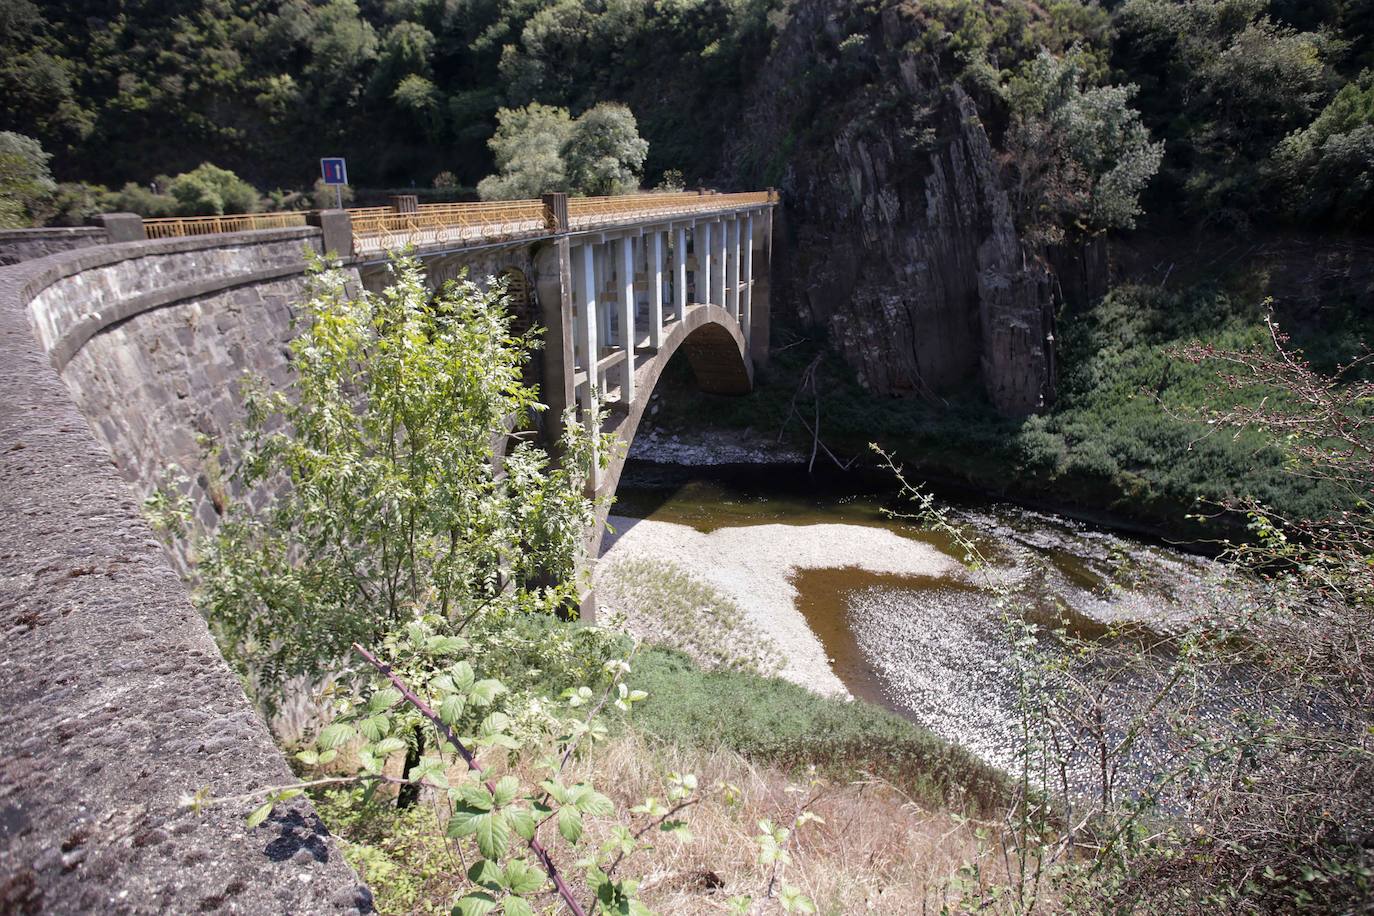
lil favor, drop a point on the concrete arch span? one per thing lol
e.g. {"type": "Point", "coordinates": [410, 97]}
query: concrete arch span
{"type": "Point", "coordinates": [718, 353]}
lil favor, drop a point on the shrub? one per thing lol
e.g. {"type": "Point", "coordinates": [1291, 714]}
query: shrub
{"type": "Point", "coordinates": [327, 196]}
{"type": "Point", "coordinates": [134, 198]}
{"type": "Point", "coordinates": [26, 185]}
{"type": "Point", "coordinates": [76, 203]}
{"type": "Point", "coordinates": [208, 190]}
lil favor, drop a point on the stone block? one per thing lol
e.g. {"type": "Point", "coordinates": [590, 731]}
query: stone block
{"type": "Point", "coordinates": [123, 227]}
{"type": "Point", "coordinates": [336, 231]}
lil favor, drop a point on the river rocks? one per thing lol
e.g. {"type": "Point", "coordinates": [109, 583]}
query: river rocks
{"type": "Point", "coordinates": [899, 235]}
{"type": "Point", "coordinates": [719, 448]}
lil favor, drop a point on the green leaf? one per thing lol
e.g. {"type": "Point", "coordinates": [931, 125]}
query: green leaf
{"type": "Point", "coordinates": [464, 822]}
{"type": "Point", "coordinates": [494, 724]}
{"type": "Point", "coordinates": [374, 728]}
{"type": "Point", "coordinates": [594, 803]}
{"type": "Point", "coordinates": [487, 874]}
{"type": "Point", "coordinates": [485, 691]}
{"type": "Point", "coordinates": [506, 789]}
{"type": "Point", "coordinates": [336, 736]}
{"type": "Point", "coordinates": [462, 676]}
{"type": "Point", "coordinates": [570, 824]}
{"type": "Point", "coordinates": [522, 822]}
{"type": "Point", "coordinates": [388, 746]}
{"type": "Point", "coordinates": [451, 710]}
{"type": "Point", "coordinates": [384, 699]}
{"type": "Point", "coordinates": [516, 906]}
{"type": "Point", "coordinates": [475, 904]}
{"type": "Point", "coordinates": [523, 878]}
{"type": "Point", "coordinates": [794, 901]}
{"type": "Point", "coordinates": [259, 815]}
{"type": "Point", "coordinates": [475, 796]}
{"type": "Point", "coordinates": [493, 834]}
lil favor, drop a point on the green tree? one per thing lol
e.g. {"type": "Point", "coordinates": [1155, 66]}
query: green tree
{"type": "Point", "coordinates": [392, 498]}
{"type": "Point", "coordinates": [539, 149]}
{"type": "Point", "coordinates": [604, 152]}
{"type": "Point", "coordinates": [528, 148]}
{"type": "Point", "coordinates": [1222, 83]}
{"type": "Point", "coordinates": [209, 189]}
{"type": "Point", "coordinates": [26, 185]}
{"type": "Point", "coordinates": [1080, 156]}
{"type": "Point", "coordinates": [1326, 170]}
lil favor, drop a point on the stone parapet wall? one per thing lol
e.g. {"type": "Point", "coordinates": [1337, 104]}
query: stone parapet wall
{"type": "Point", "coordinates": [18, 245]}
{"type": "Point", "coordinates": [114, 697]}
{"type": "Point", "coordinates": [84, 293]}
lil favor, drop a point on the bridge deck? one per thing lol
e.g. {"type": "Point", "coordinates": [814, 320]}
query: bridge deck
{"type": "Point", "coordinates": [378, 230]}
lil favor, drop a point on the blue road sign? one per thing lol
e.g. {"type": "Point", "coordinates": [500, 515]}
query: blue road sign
{"type": "Point", "coordinates": [335, 171]}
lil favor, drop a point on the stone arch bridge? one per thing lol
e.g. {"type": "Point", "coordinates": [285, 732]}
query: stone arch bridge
{"type": "Point", "coordinates": [119, 351]}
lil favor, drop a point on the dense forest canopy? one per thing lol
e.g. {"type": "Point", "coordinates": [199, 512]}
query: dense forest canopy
{"type": "Point", "coordinates": [1265, 107]}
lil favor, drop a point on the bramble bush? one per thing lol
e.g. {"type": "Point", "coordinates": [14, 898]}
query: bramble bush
{"type": "Point", "coordinates": [394, 524]}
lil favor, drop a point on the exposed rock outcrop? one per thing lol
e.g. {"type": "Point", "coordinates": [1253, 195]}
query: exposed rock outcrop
{"type": "Point", "coordinates": [901, 239]}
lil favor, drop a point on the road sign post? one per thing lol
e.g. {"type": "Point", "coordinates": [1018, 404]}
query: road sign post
{"type": "Point", "coordinates": [334, 171]}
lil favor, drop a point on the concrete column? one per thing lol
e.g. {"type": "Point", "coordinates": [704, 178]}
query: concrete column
{"type": "Point", "coordinates": [553, 287]}
{"type": "Point", "coordinates": [734, 268]}
{"type": "Point", "coordinates": [604, 266]}
{"type": "Point", "coordinates": [759, 295]}
{"type": "Point", "coordinates": [655, 273]}
{"type": "Point", "coordinates": [718, 266]}
{"type": "Point", "coordinates": [627, 319]}
{"type": "Point", "coordinates": [680, 272]}
{"type": "Point", "coordinates": [589, 324]}
{"type": "Point", "coordinates": [701, 243]}
{"type": "Point", "coordinates": [747, 280]}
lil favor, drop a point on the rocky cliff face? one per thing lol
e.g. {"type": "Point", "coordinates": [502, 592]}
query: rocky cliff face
{"type": "Point", "coordinates": [898, 236]}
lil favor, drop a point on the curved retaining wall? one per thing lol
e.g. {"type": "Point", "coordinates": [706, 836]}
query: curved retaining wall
{"type": "Point", "coordinates": [114, 700]}
{"type": "Point", "coordinates": [153, 339]}
{"type": "Point", "coordinates": [26, 244]}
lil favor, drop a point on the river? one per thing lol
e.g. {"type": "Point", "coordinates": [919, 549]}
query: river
{"type": "Point", "coordinates": [886, 609]}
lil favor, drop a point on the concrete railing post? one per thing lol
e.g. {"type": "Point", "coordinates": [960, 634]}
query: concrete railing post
{"type": "Point", "coordinates": [555, 212]}
{"type": "Point", "coordinates": [123, 227]}
{"type": "Point", "coordinates": [336, 229]}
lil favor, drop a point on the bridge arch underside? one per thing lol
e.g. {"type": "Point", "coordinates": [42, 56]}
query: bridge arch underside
{"type": "Point", "coordinates": [715, 348]}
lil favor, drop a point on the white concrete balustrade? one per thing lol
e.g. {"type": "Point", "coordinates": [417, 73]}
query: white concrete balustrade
{"type": "Point", "coordinates": [630, 287]}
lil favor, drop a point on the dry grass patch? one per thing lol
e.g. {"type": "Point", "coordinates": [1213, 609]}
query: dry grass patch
{"type": "Point", "coordinates": [657, 601]}
{"type": "Point", "coordinates": [871, 850]}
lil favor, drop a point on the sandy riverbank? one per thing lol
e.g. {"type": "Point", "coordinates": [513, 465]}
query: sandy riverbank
{"type": "Point", "coordinates": [753, 566]}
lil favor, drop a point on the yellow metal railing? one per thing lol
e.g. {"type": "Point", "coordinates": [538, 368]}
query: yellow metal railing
{"type": "Point", "coordinates": [590, 212]}
{"type": "Point", "coordinates": [377, 230]}
{"type": "Point", "coordinates": [179, 226]}
{"type": "Point", "coordinates": [441, 224]}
